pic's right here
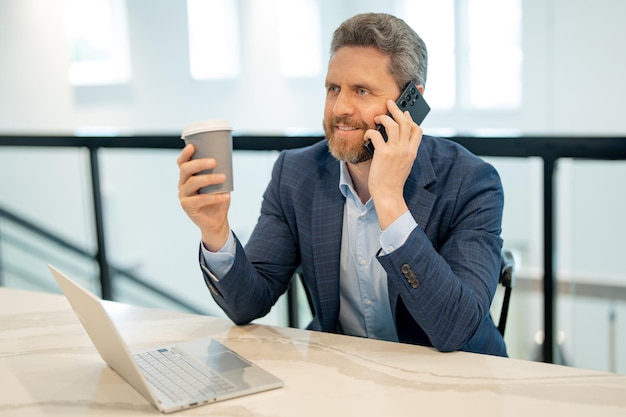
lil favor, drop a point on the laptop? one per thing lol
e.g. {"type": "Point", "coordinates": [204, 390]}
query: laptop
{"type": "Point", "coordinates": [172, 378]}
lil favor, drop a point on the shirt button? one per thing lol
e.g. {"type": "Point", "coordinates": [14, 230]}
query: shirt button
{"type": "Point", "coordinates": [390, 249]}
{"type": "Point", "coordinates": [363, 262]}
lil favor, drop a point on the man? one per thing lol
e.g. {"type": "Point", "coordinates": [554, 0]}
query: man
{"type": "Point", "coordinates": [402, 246]}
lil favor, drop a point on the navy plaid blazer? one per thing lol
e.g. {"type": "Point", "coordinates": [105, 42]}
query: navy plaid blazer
{"type": "Point", "coordinates": [441, 281]}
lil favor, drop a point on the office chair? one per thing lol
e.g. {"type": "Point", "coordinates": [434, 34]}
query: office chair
{"type": "Point", "coordinates": [507, 280]}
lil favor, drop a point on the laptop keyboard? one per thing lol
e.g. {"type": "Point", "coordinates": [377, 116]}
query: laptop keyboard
{"type": "Point", "coordinates": [180, 378]}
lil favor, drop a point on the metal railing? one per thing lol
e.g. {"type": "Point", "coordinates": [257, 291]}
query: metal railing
{"type": "Point", "coordinates": [82, 254]}
{"type": "Point", "coordinates": [549, 149]}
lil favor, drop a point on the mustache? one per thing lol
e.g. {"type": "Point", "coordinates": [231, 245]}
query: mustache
{"type": "Point", "coordinates": [348, 121]}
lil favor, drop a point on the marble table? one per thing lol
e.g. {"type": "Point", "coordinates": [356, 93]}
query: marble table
{"type": "Point", "coordinates": [49, 367]}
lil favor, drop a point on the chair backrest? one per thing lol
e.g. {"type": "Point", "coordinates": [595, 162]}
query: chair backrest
{"type": "Point", "coordinates": [507, 280]}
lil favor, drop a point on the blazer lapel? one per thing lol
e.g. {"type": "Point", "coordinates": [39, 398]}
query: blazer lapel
{"type": "Point", "coordinates": [326, 227]}
{"type": "Point", "coordinates": [421, 202]}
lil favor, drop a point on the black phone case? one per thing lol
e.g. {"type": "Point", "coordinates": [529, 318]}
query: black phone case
{"type": "Point", "coordinates": [410, 99]}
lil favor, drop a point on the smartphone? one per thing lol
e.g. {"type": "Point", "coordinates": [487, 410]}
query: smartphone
{"type": "Point", "coordinates": [410, 99]}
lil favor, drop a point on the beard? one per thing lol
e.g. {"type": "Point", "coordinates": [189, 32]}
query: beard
{"type": "Point", "coordinates": [343, 150]}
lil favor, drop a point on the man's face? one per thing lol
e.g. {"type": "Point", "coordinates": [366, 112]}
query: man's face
{"type": "Point", "coordinates": [358, 85]}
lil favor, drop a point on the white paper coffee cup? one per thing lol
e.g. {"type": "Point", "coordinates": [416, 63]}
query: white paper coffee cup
{"type": "Point", "coordinates": [213, 139]}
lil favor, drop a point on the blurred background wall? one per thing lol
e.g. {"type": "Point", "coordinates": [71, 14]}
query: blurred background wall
{"type": "Point", "coordinates": [572, 57]}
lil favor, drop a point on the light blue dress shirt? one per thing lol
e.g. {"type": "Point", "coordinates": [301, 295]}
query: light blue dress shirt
{"type": "Point", "coordinates": [365, 309]}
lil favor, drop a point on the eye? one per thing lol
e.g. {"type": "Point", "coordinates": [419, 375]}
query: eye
{"type": "Point", "coordinates": [332, 90]}
{"type": "Point", "coordinates": [361, 91]}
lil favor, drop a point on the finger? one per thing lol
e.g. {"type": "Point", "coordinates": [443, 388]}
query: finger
{"type": "Point", "coordinates": [398, 115]}
{"type": "Point", "coordinates": [416, 136]}
{"type": "Point", "coordinates": [183, 164]}
{"type": "Point", "coordinates": [404, 121]}
{"type": "Point", "coordinates": [189, 167]}
{"type": "Point", "coordinates": [391, 127]}
{"type": "Point", "coordinates": [394, 110]}
{"type": "Point", "coordinates": [192, 167]}
{"type": "Point", "coordinates": [375, 136]}
{"type": "Point", "coordinates": [401, 122]}
{"type": "Point", "coordinates": [197, 202]}
{"type": "Point", "coordinates": [194, 183]}
{"type": "Point", "coordinates": [185, 154]}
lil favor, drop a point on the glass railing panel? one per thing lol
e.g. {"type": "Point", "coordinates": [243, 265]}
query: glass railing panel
{"type": "Point", "coordinates": [522, 228]}
{"type": "Point", "coordinates": [149, 235]}
{"type": "Point", "coordinates": [46, 202]}
{"type": "Point", "coordinates": [591, 276]}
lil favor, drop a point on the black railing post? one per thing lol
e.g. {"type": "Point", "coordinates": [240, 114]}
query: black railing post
{"type": "Point", "coordinates": [293, 318]}
{"type": "Point", "coordinates": [549, 165]}
{"type": "Point", "coordinates": [106, 287]}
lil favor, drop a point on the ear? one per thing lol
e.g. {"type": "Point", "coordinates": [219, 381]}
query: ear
{"type": "Point", "coordinates": [420, 87]}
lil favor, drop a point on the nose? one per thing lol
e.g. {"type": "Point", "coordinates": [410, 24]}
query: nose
{"type": "Point", "coordinates": [343, 105]}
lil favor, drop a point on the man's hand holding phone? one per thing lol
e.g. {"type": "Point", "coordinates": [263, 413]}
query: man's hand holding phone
{"type": "Point", "coordinates": [410, 100]}
{"type": "Point", "coordinates": [394, 159]}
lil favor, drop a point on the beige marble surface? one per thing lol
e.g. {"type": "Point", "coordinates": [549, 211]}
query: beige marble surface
{"type": "Point", "coordinates": [49, 367]}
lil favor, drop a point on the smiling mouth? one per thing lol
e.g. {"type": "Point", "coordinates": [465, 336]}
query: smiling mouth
{"type": "Point", "coordinates": [346, 128]}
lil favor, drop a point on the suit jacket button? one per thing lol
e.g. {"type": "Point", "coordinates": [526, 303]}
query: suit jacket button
{"type": "Point", "coordinates": [410, 276]}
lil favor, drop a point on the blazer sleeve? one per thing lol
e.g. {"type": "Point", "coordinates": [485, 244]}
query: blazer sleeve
{"type": "Point", "coordinates": [446, 273]}
{"type": "Point", "coordinates": [261, 273]}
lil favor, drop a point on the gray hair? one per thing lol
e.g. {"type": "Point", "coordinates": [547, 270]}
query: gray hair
{"type": "Point", "coordinates": [390, 35]}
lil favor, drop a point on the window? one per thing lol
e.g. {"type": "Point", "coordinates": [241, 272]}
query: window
{"type": "Point", "coordinates": [96, 31]}
{"type": "Point", "coordinates": [434, 23]}
{"type": "Point", "coordinates": [475, 51]}
{"type": "Point", "coordinates": [494, 66]}
{"type": "Point", "coordinates": [213, 39]}
{"type": "Point", "coordinates": [300, 38]}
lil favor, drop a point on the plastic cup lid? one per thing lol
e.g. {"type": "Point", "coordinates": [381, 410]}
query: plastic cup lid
{"type": "Point", "coordinates": [205, 126]}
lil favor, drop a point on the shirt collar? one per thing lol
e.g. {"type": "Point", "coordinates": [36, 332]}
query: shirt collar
{"type": "Point", "coordinates": [345, 181]}
{"type": "Point", "coordinates": [346, 186]}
